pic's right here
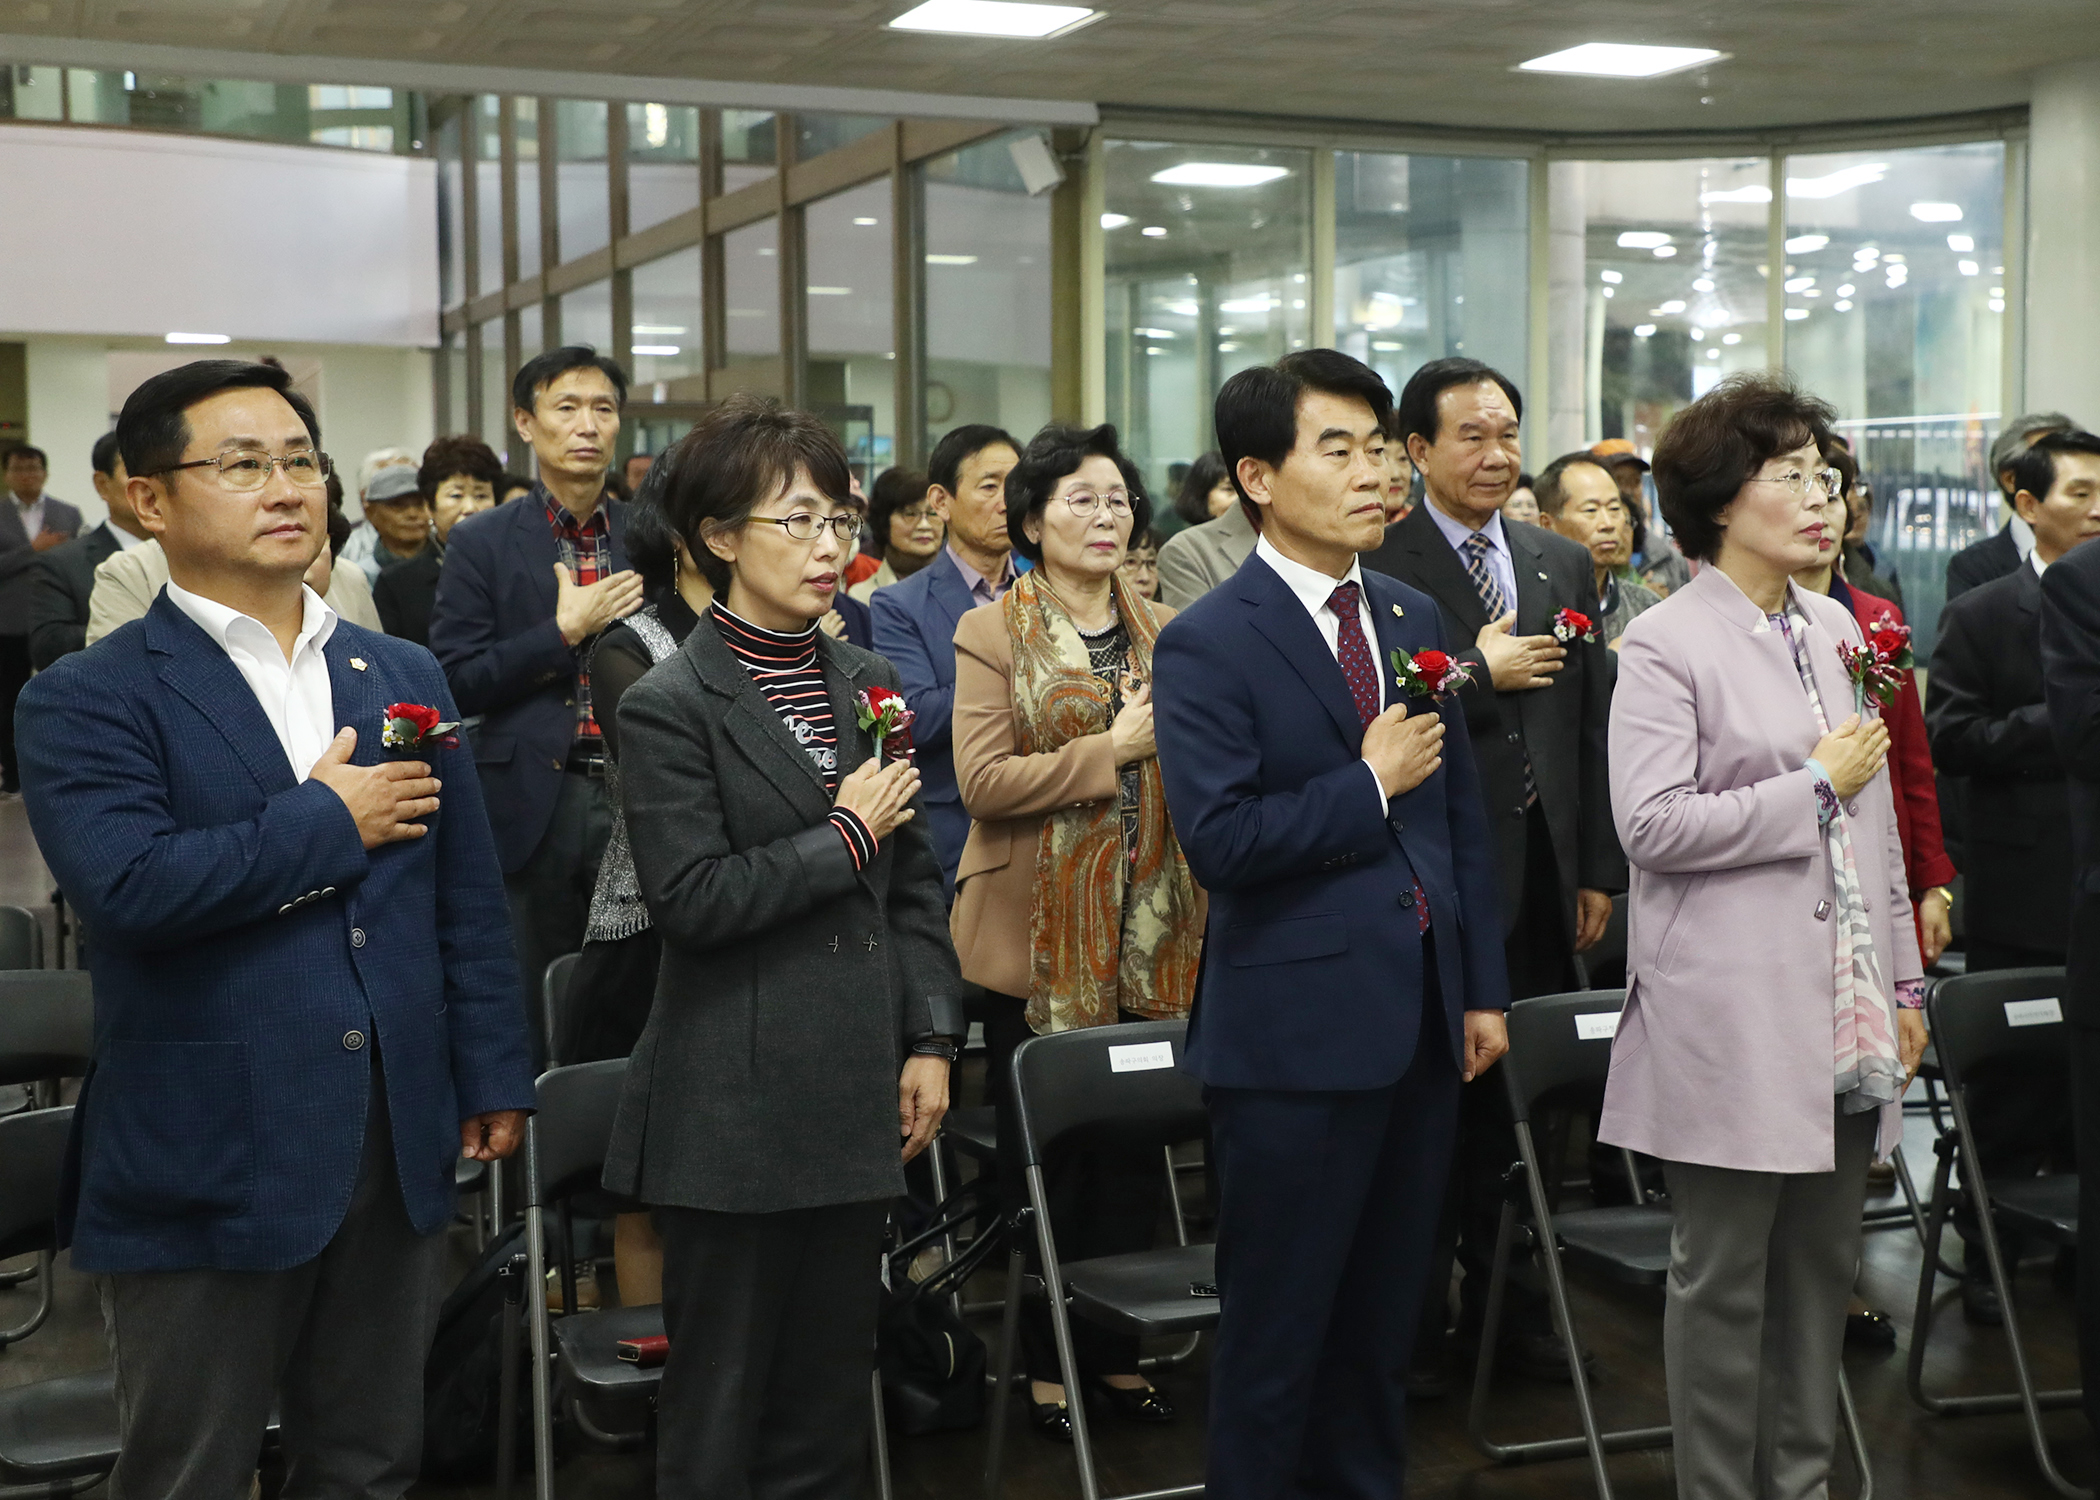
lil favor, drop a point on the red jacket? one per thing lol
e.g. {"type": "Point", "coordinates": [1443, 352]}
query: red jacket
{"type": "Point", "coordinates": [1925, 860]}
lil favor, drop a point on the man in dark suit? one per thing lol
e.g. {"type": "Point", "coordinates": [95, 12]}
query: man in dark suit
{"type": "Point", "coordinates": [2071, 669]}
{"type": "Point", "coordinates": [914, 621]}
{"type": "Point", "coordinates": [305, 1000]}
{"type": "Point", "coordinates": [31, 524]}
{"type": "Point", "coordinates": [2005, 549]}
{"type": "Point", "coordinates": [1537, 713]}
{"type": "Point", "coordinates": [64, 579]}
{"type": "Point", "coordinates": [1353, 970]}
{"type": "Point", "coordinates": [524, 592]}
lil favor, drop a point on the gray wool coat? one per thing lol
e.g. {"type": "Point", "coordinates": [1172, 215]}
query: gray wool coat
{"type": "Point", "coordinates": [791, 984]}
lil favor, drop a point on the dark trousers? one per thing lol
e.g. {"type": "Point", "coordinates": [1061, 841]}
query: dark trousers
{"type": "Point", "coordinates": [2021, 1114]}
{"type": "Point", "coordinates": [1104, 1200]}
{"type": "Point", "coordinates": [14, 675]}
{"type": "Point", "coordinates": [550, 894]}
{"type": "Point", "coordinates": [1325, 1223]}
{"type": "Point", "coordinates": [766, 1395]}
{"type": "Point", "coordinates": [337, 1344]}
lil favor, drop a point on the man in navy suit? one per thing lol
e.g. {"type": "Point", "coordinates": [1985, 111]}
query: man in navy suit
{"type": "Point", "coordinates": [1353, 967]}
{"type": "Point", "coordinates": [305, 998]}
{"type": "Point", "coordinates": [915, 620]}
{"type": "Point", "coordinates": [526, 589]}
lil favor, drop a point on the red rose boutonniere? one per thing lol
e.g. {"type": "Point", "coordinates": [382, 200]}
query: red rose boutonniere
{"type": "Point", "coordinates": [1573, 625]}
{"type": "Point", "coordinates": [412, 727]}
{"type": "Point", "coordinates": [1877, 668]}
{"type": "Point", "coordinates": [1429, 674]}
{"type": "Point", "coordinates": [883, 714]}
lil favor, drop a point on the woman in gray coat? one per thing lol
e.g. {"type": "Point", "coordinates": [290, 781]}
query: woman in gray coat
{"type": "Point", "coordinates": [808, 1003]}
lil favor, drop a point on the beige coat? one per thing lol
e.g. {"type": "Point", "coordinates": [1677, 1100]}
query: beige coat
{"type": "Point", "coordinates": [127, 583]}
{"type": "Point", "coordinates": [1008, 795]}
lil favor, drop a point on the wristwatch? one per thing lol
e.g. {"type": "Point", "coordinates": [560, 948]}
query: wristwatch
{"type": "Point", "coordinates": [944, 1047]}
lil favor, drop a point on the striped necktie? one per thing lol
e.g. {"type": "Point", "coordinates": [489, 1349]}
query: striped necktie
{"type": "Point", "coordinates": [1485, 583]}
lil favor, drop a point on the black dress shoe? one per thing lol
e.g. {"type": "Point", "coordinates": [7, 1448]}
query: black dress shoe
{"type": "Point", "coordinates": [1540, 1356]}
{"type": "Point", "coordinates": [1869, 1330]}
{"type": "Point", "coordinates": [1145, 1405]}
{"type": "Point", "coordinates": [1053, 1419]}
{"type": "Point", "coordinates": [1979, 1301]}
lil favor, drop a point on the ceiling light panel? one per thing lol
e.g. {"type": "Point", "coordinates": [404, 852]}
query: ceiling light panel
{"type": "Point", "coordinates": [1006, 19]}
{"type": "Point", "coordinates": [1219, 174]}
{"type": "Point", "coordinates": [1621, 60]}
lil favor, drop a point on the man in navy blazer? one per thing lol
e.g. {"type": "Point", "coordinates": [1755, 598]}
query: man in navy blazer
{"type": "Point", "coordinates": [525, 590]}
{"type": "Point", "coordinates": [914, 620]}
{"type": "Point", "coordinates": [1353, 966]}
{"type": "Point", "coordinates": [305, 997]}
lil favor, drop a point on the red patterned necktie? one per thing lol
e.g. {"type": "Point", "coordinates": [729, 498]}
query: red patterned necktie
{"type": "Point", "coordinates": [1361, 670]}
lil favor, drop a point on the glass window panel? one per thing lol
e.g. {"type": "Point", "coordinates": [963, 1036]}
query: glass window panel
{"type": "Point", "coordinates": [663, 162]}
{"type": "Point", "coordinates": [586, 317]}
{"type": "Point", "coordinates": [39, 93]}
{"type": "Point", "coordinates": [817, 134]}
{"type": "Point", "coordinates": [456, 416]}
{"type": "Point", "coordinates": [667, 330]}
{"type": "Point", "coordinates": [488, 185]}
{"type": "Point", "coordinates": [751, 286]}
{"type": "Point", "coordinates": [97, 98]}
{"type": "Point", "coordinates": [585, 202]}
{"type": "Point", "coordinates": [495, 425]}
{"type": "Point", "coordinates": [526, 132]}
{"type": "Point", "coordinates": [1674, 274]}
{"type": "Point", "coordinates": [1895, 306]}
{"type": "Point", "coordinates": [852, 380]}
{"type": "Point", "coordinates": [987, 294]}
{"type": "Point", "coordinates": [1414, 236]}
{"type": "Point", "coordinates": [1206, 274]}
{"type": "Point", "coordinates": [451, 215]}
{"type": "Point", "coordinates": [748, 136]}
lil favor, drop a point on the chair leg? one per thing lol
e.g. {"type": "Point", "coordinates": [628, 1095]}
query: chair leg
{"type": "Point", "coordinates": [1491, 1338]}
{"type": "Point", "coordinates": [42, 1273]}
{"type": "Point", "coordinates": [542, 1394]}
{"type": "Point", "coordinates": [879, 1441]}
{"type": "Point", "coordinates": [514, 1305]}
{"type": "Point", "coordinates": [937, 1160]}
{"type": "Point", "coordinates": [1061, 1332]}
{"type": "Point", "coordinates": [1564, 1319]}
{"type": "Point", "coordinates": [1848, 1414]}
{"type": "Point", "coordinates": [26, 1273]}
{"type": "Point", "coordinates": [1181, 1223]}
{"type": "Point", "coordinates": [1003, 1375]}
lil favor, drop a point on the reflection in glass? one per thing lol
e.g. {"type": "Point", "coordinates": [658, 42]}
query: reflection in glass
{"type": "Point", "coordinates": [1431, 260]}
{"type": "Point", "coordinates": [748, 136]}
{"type": "Point", "coordinates": [987, 294]}
{"type": "Point", "coordinates": [1207, 260]}
{"type": "Point", "coordinates": [852, 379]}
{"type": "Point", "coordinates": [585, 203]}
{"type": "Point", "coordinates": [586, 316]}
{"type": "Point", "coordinates": [751, 287]}
{"type": "Point", "coordinates": [666, 332]}
{"type": "Point", "coordinates": [820, 133]}
{"type": "Point", "coordinates": [663, 162]}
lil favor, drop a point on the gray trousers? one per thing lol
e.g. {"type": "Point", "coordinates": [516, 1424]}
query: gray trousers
{"type": "Point", "coordinates": [550, 894]}
{"type": "Point", "coordinates": [336, 1345]}
{"type": "Point", "coordinates": [1761, 1271]}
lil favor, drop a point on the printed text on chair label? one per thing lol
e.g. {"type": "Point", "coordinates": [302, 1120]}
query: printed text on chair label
{"type": "Point", "coordinates": [2033, 1012]}
{"type": "Point", "coordinates": [1140, 1057]}
{"type": "Point", "coordinates": [1597, 1026]}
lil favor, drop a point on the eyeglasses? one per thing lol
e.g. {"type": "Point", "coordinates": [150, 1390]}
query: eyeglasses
{"type": "Point", "coordinates": [915, 512]}
{"type": "Point", "coordinates": [805, 527]}
{"type": "Point", "coordinates": [1829, 481]}
{"type": "Point", "coordinates": [1084, 503]}
{"type": "Point", "coordinates": [249, 468]}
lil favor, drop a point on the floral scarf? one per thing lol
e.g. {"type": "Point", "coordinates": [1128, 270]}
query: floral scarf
{"type": "Point", "coordinates": [1112, 927]}
{"type": "Point", "coordinates": [1869, 1069]}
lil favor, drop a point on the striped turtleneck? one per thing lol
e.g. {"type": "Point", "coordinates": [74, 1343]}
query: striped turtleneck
{"type": "Point", "coordinates": [783, 665]}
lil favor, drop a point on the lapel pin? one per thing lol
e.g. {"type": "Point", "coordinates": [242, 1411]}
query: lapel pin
{"type": "Point", "coordinates": [358, 662]}
{"type": "Point", "coordinates": [1544, 579]}
{"type": "Point", "coordinates": [1399, 613]}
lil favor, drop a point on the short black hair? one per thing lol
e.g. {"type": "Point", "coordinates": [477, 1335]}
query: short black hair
{"type": "Point", "coordinates": [1551, 494]}
{"type": "Point", "coordinates": [949, 454]}
{"type": "Point", "coordinates": [736, 458]}
{"type": "Point", "coordinates": [1053, 453]}
{"type": "Point", "coordinates": [460, 454]}
{"type": "Point", "coordinates": [542, 370]}
{"type": "Point", "coordinates": [652, 544]}
{"type": "Point", "coordinates": [1192, 500]}
{"type": "Point", "coordinates": [154, 426]}
{"type": "Point", "coordinates": [1256, 413]}
{"type": "Point", "coordinates": [2035, 470]}
{"type": "Point", "coordinates": [1417, 410]}
{"type": "Point", "coordinates": [892, 490]}
{"type": "Point", "coordinates": [1718, 443]}
{"type": "Point", "coordinates": [104, 455]}
{"type": "Point", "coordinates": [23, 450]}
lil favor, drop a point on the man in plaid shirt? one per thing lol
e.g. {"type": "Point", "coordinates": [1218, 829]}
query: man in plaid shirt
{"type": "Point", "coordinates": [526, 589]}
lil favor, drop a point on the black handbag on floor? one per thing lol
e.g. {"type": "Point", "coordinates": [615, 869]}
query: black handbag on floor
{"type": "Point", "coordinates": [932, 1366]}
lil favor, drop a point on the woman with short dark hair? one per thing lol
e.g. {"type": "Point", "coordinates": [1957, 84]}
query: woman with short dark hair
{"type": "Point", "coordinates": [1073, 905]}
{"type": "Point", "coordinates": [1773, 1013]}
{"type": "Point", "coordinates": [457, 477]}
{"type": "Point", "coordinates": [907, 528]}
{"type": "Point", "coordinates": [805, 961]}
{"type": "Point", "coordinates": [1206, 491]}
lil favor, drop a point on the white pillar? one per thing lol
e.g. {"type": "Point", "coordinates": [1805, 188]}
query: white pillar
{"type": "Point", "coordinates": [1567, 311]}
{"type": "Point", "coordinates": [2063, 243]}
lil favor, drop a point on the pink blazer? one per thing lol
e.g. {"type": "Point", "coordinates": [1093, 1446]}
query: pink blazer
{"type": "Point", "coordinates": [1724, 1054]}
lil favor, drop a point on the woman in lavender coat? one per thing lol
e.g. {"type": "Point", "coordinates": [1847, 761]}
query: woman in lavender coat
{"type": "Point", "coordinates": [1773, 978]}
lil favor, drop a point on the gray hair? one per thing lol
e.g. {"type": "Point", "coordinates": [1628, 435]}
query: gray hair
{"type": "Point", "coordinates": [386, 458]}
{"type": "Point", "coordinates": [2018, 435]}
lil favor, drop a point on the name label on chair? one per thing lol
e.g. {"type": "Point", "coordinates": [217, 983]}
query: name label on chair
{"type": "Point", "coordinates": [2033, 1012]}
{"type": "Point", "coordinates": [1598, 1026]}
{"type": "Point", "coordinates": [1141, 1057]}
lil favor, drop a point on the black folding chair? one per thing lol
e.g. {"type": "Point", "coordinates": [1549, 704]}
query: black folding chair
{"type": "Point", "coordinates": [1124, 1079]}
{"type": "Point", "coordinates": [47, 1032]}
{"type": "Point", "coordinates": [21, 939]}
{"type": "Point", "coordinates": [554, 1004]}
{"type": "Point", "coordinates": [1560, 1045]}
{"type": "Point", "coordinates": [2010, 1018]}
{"type": "Point", "coordinates": [59, 1434]}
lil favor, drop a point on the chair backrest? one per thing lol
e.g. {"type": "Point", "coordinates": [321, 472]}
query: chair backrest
{"type": "Point", "coordinates": [571, 1126]}
{"type": "Point", "coordinates": [1977, 1019]}
{"type": "Point", "coordinates": [1556, 1041]}
{"type": "Point", "coordinates": [32, 1155]}
{"type": "Point", "coordinates": [47, 1024]}
{"type": "Point", "coordinates": [1125, 1075]}
{"type": "Point", "coordinates": [554, 1003]}
{"type": "Point", "coordinates": [21, 939]}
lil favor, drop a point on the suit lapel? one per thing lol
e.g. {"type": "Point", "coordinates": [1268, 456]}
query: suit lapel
{"type": "Point", "coordinates": [360, 694]}
{"type": "Point", "coordinates": [950, 595]}
{"type": "Point", "coordinates": [1396, 632]}
{"type": "Point", "coordinates": [537, 550]}
{"type": "Point", "coordinates": [753, 723]}
{"type": "Point", "coordinates": [193, 665]}
{"type": "Point", "coordinates": [1833, 682]}
{"type": "Point", "coordinates": [1442, 575]}
{"type": "Point", "coordinates": [1282, 619]}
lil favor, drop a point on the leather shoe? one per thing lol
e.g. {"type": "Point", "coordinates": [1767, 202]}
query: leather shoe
{"type": "Point", "coordinates": [1146, 1405]}
{"type": "Point", "coordinates": [1540, 1356]}
{"type": "Point", "coordinates": [1053, 1419]}
{"type": "Point", "coordinates": [1870, 1330]}
{"type": "Point", "coordinates": [1979, 1301]}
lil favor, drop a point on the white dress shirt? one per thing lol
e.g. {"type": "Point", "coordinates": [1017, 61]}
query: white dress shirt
{"type": "Point", "coordinates": [1314, 589]}
{"type": "Point", "coordinates": [32, 515]}
{"type": "Point", "coordinates": [2034, 560]}
{"type": "Point", "coordinates": [1499, 562]}
{"type": "Point", "coordinates": [2022, 535]}
{"type": "Point", "coordinates": [295, 695]}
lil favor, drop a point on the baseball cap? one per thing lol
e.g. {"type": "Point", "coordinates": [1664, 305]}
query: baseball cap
{"type": "Point", "coordinates": [1613, 452]}
{"type": "Point", "coordinates": [395, 482]}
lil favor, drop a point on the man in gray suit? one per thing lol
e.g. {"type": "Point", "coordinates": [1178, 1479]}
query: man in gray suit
{"type": "Point", "coordinates": [1195, 561]}
{"type": "Point", "coordinates": [63, 581]}
{"type": "Point", "coordinates": [31, 523]}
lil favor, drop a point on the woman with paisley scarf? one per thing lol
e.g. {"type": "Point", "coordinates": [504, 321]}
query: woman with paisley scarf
{"type": "Point", "coordinates": [1073, 905]}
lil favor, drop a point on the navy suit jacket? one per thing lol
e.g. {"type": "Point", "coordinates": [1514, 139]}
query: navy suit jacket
{"type": "Point", "coordinates": [1312, 969]}
{"type": "Point", "coordinates": [914, 623]}
{"type": "Point", "coordinates": [249, 952]}
{"type": "Point", "coordinates": [493, 629]}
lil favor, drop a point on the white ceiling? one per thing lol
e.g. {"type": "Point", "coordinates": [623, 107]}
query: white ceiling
{"type": "Point", "coordinates": [1441, 62]}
